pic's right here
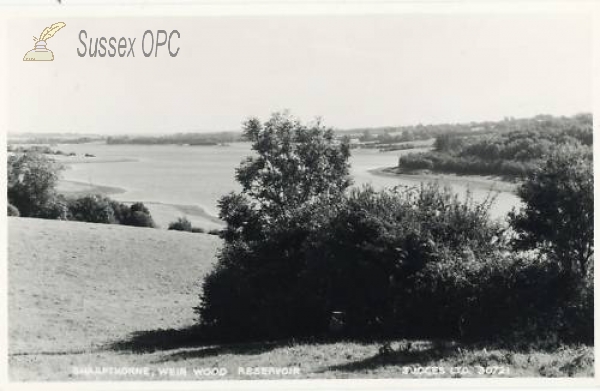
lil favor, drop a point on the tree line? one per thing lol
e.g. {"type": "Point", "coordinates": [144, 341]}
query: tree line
{"type": "Point", "coordinates": [178, 139]}
{"type": "Point", "coordinates": [512, 154]}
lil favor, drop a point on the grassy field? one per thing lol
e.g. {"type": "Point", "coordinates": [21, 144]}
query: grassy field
{"type": "Point", "coordinates": [86, 296]}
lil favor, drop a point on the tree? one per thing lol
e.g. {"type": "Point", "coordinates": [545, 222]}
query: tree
{"type": "Point", "coordinates": [139, 216]}
{"type": "Point", "coordinates": [295, 164]}
{"type": "Point", "coordinates": [447, 143]}
{"type": "Point", "coordinates": [32, 179]}
{"type": "Point", "coordinates": [92, 208]}
{"type": "Point", "coordinates": [558, 216]}
{"type": "Point", "coordinates": [254, 289]}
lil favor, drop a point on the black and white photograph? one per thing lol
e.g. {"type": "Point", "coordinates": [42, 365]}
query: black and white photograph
{"type": "Point", "coordinates": [300, 195]}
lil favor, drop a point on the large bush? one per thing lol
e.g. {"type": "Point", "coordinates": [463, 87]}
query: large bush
{"type": "Point", "coordinates": [401, 262]}
{"type": "Point", "coordinates": [12, 211]}
{"type": "Point", "coordinates": [558, 218]}
{"type": "Point", "coordinates": [415, 262]}
{"type": "Point", "coordinates": [557, 224]}
{"type": "Point", "coordinates": [96, 208]}
{"type": "Point", "coordinates": [92, 209]}
{"type": "Point", "coordinates": [138, 216]}
{"type": "Point", "coordinates": [31, 185]}
{"type": "Point", "coordinates": [182, 224]}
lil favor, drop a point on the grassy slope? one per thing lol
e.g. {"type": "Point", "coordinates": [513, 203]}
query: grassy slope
{"type": "Point", "coordinates": [99, 295]}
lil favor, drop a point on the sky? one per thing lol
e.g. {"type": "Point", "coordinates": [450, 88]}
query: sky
{"type": "Point", "coordinates": [353, 71]}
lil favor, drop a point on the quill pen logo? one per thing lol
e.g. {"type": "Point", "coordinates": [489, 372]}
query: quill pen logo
{"type": "Point", "coordinates": [40, 52]}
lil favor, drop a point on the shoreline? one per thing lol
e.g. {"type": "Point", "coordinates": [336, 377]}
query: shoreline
{"type": "Point", "coordinates": [481, 182]}
{"type": "Point", "coordinates": [163, 213]}
{"type": "Point", "coordinates": [77, 188]}
{"type": "Point", "coordinates": [67, 160]}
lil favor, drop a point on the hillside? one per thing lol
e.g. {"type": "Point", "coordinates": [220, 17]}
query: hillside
{"type": "Point", "coordinates": [108, 296]}
{"type": "Point", "coordinates": [75, 286]}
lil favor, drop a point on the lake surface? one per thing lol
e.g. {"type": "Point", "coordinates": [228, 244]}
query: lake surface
{"type": "Point", "coordinates": [200, 175]}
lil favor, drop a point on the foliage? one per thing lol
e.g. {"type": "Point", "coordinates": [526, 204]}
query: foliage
{"type": "Point", "coordinates": [448, 143]}
{"type": "Point", "coordinates": [139, 216]}
{"type": "Point", "coordinates": [12, 211]}
{"type": "Point", "coordinates": [295, 164]}
{"type": "Point", "coordinates": [401, 262]}
{"type": "Point", "coordinates": [513, 154]}
{"type": "Point", "coordinates": [31, 183]}
{"type": "Point", "coordinates": [32, 179]}
{"type": "Point", "coordinates": [121, 211]}
{"type": "Point", "coordinates": [558, 218]}
{"type": "Point", "coordinates": [180, 138]}
{"type": "Point", "coordinates": [92, 209]}
{"type": "Point", "coordinates": [297, 167]}
{"type": "Point", "coordinates": [182, 224]}
{"type": "Point", "coordinates": [100, 209]}
{"type": "Point", "coordinates": [366, 255]}
{"type": "Point", "coordinates": [447, 163]}
{"type": "Point", "coordinates": [557, 222]}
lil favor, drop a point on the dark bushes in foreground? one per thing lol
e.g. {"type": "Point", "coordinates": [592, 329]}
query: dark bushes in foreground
{"type": "Point", "coordinates": [12, 211]}
{"type": "Point", "coordinates": [418, 263]}
{"type": "Point", "coordinates": [300, 260]}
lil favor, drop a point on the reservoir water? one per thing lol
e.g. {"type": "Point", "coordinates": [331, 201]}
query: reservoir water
{"type": "Point", "coordinates": [200, 175]}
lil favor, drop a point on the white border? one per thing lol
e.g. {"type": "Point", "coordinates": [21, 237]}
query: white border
{"type": "Point", "coordinates": [250, 8]}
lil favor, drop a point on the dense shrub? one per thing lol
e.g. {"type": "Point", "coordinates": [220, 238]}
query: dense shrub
{"type": "Point", "coordinates": [385, 259]}
{"type": "Point", "coordinates": [31, 183]}
{"type": "Point", "coordinates": [446, 163]}
{"type": "Point", "coordinates": [57, 209]}
{"type": "Point", "coordinates": [512, 154]}
{"type": "Point", "coordinates": [366, 256]}
{"type": "Point", "coordinates": [136, 215]}
{"type": "Point", "coordinates": [417, 263]}
{"type": "Point", "coordinates": [182, 224]}
{"type": "Point", "coordinates": [92, 209]}
{"type": "Point", "coordinates": [12, 211]}
{"type": "Point", "coordinates": [557, 222]}
{"type": "Point", "coordinates": [100, 209]}
{"type": "Point", "coordinates": [121, 211]}
{"type": "Point", "coordinates": [139, 216]}
{"type": "Point", "coordinates": [558, 218]}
